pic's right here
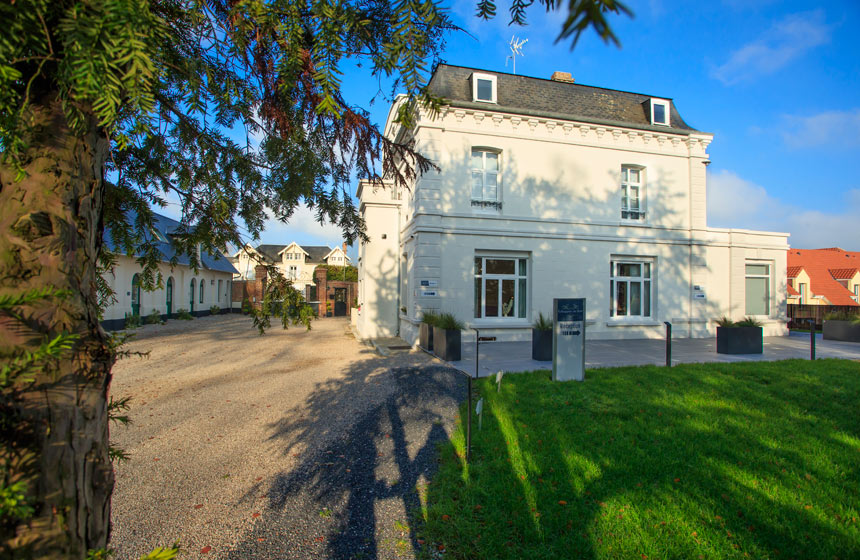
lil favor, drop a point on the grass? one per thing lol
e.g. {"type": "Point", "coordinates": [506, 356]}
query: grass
{"type": "Point", "coordinates": [750, 460]}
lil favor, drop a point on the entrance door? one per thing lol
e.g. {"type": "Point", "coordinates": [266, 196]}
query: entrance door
{"type": "Point", "coordinates": [135, 295]}
{"type": "Point", "coordinates": [169, 296]}
{"type": "Point", "coordinates": [340, 302]}
{"type": "Point", "coordinates": [191, 299]}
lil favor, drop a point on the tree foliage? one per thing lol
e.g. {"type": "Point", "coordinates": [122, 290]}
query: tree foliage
{"type": "Point", "coordinates": [233, 108]}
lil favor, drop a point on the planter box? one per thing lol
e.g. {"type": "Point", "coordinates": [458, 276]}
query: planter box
{"type": "Point", "coordinates": [541, 345]}
{"type": "Point", "coordinates": [739, 340]}
{"type": "Point", "coordinates": [446, 344]}
{"type": "Point", "coordinates": [846, 331]}
{"type": "Point", "coordinates": [425, 336]}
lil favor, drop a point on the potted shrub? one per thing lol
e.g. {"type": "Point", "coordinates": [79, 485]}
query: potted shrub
{"type": "Point", "coordinates": [425, 330]}
{"type": "Point", "coordinates": [739, 337]}
{"type": "Point", "coordinates": [841, 325]}
{"type": "Point", "coordinates": [446, 337]}
{"type": "Point", "coordinates": [542, 339]}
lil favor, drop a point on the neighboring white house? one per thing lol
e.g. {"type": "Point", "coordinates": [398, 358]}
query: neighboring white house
{"type": "Point", "coordinates": [183, 288]}
{"type": "Point", "coordinates": [552, 189]}
{"type": "Point", "coordinates": [295, 261]}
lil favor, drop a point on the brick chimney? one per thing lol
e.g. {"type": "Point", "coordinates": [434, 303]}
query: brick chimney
{"type": "Point", "coordinates": [344, 247]}
{"type": "Point", "coordinates": [562, 77]}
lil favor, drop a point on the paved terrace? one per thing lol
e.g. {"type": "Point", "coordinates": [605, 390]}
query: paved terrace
{"type": "Point", "coordinates": [516, 356]}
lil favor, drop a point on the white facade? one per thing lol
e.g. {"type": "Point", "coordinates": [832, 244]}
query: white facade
{"type": "Point", "coordinates": [217, 287]}
{"type": "Point", "coordinates": [526, 209]}
{"type": "Point", "coordinates": [295, 262]}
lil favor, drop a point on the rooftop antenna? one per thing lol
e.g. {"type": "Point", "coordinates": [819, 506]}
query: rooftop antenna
{"type": "Point", "coordinates": [516, 49]}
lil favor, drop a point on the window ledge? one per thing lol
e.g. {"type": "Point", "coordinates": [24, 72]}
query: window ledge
{"type": "Point", "coordinates": [634, 323]}
{"type": "Point", "coordinates": [496, 324]}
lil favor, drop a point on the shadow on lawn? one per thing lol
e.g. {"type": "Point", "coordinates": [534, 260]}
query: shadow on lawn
{"type": "Point", "coordinates": [374, 434]}
{"type": "Point", "coordinates": [720, 461]}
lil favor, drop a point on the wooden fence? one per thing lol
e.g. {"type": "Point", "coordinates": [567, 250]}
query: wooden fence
{"type": "Point", "coordinates": [799, 315]}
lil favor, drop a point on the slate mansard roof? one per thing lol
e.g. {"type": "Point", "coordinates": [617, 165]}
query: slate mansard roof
{"type": "Point", "coordinates": [524, 95]}
{"type": "Point", "coordinates": [166, 227]}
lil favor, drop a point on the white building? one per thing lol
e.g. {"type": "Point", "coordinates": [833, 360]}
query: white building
{"type": "Point", "coordinates": [182, 288]}
{"type": "Point", "coordinates": [553, 189]}
{"type": "Point", "coordinates": [294, 261]}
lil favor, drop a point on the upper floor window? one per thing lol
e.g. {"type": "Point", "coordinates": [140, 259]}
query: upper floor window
{"type": "Point", "coordinates": [660, 112]}
{"type": "Point", "coordinates": [632, 193]}
{"type": "Point", "coordinates": [484, 88]}
{"type": "Point", "coordinates": [294, 272]}
{"type": "Point", "coordinates": [757, 288]}
{"type": "Point", "coordinates": [485, 178]}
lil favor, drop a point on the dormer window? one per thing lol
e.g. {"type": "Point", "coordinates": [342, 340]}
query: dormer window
{"type": "Point", "coordinates": [484, 88]}
{"type": "Point", "coordinates": [660, 112]}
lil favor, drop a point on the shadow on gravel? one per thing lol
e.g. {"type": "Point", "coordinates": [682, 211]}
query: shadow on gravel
{"type": "Point", "coordinates": [380, 428]}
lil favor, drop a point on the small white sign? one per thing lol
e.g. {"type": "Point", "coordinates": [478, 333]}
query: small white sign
{"type": "Point", "coordinates": [429, 293]}
{"type": "Point", "coordinates": [429, 283]}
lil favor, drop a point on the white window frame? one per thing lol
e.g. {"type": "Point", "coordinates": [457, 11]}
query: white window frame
{"type": "Point", "coordinates": [665, 104]}
{"type": "Point", "coordinates": [493, 83]}
{"type": "Point", "coordinates": [626, 186]}
{"type": "Point", "coordinates": [483, 201]}
{"type": "Point", "coordinates": [769, 277]}
{"type": "Point", "coordinates": [293, 272]}
{"type": "Point", "coordinates": [801, 289]}
{"type": "Point", "coordinates": [647, 280]}
{"type": "Point", "coordinates": [520, 292]}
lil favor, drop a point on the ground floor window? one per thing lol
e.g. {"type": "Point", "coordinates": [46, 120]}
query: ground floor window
{"type": "Point", "coordinates": [202, 285]}
{"type": "Point", "coordinates": [501, 287]}
{"type": "Point", "coordinates": [757, 288]}
{"type": "Point", "coordinates": [630, 288]}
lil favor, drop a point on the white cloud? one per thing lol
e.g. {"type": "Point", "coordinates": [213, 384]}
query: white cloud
{"type": "Point", "coordinates": [786, 40]}
{"type": "Point", "coordinates": [839, 128]}
{"type": "Point", "coordinates": [739, 203]}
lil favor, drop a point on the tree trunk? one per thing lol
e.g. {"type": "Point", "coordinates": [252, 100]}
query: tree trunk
{"type": "Point", "coordinates": [50, 235]}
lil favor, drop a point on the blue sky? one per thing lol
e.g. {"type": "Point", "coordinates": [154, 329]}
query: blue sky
{"type": "Point", "coordinates": [777, 83]}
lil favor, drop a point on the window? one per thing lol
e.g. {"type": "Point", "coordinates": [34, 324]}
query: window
{"type": "Point", "coordinates": [630, 288]}
{"type": "Point", "coordinates": [758, 289]}
{"type": "Point", "coordinates": [218, 295]}
{"type": "Point", "coordinates": [484, 88]}
{"type": "Point", "coordinates": [500, 287]}
{"type": "Point", "coordinates": [202, 285]}
{"type": "Point", "coordinates": [485, 178]}
{"type": "Point", "coordinates": [632, 193]}
{"type": "Point", "coordinates": [294, 272]}
{"type": "Point", "coordinates": [660, 112]}
{"type": "Point", "coordinates": [802, 290]}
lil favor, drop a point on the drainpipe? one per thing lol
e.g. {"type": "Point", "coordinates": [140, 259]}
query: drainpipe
{"type": "Point", "coordinates": [399, 266]}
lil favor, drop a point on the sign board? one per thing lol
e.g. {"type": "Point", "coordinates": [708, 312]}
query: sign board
{"type": "Point", "coordinates": [698, 292]}
{"type": "Point", "coordinates": [568, 339]}
{"type": "Point", "coordinates": [429, 293]}
{"type": "Point", "coordinates": [429, 283]}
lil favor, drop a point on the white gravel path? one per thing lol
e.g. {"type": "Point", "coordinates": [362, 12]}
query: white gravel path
{"type": "Point", "coordinates": [294, 444]}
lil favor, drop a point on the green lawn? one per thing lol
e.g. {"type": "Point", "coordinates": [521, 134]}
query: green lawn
{"type": "Point", "coordinates": [748, 460]}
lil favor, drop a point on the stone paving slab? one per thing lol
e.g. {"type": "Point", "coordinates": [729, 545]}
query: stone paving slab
{"type": "Point", "coordinates": [516, 356]}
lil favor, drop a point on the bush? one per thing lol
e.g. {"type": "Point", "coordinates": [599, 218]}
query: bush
{"type": "Point", "coordinates": [154, 318]}
{"type": "Point", "coordinates": [184, 315]}
{"type": "Point", "coordinates": [745, 322]}
{"type": "Point", "coordinates": [748, 322]}
{"type": "Point", "coordinates": [214, 310]}
{"type": "Point", "coordinates": [132, 321]}
{"type": "Point", "coordinates": [449, 322]}
{"type": "Point", "coordinates": [842, 315]}
{"type": "Point", "coordinates": [430, 317]}
{"type": "Point", "coordinates": [542, 323]}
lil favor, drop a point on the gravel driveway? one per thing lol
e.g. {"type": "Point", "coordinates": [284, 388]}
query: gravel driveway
{"type": "Point", "coordinates": [291, 445]}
